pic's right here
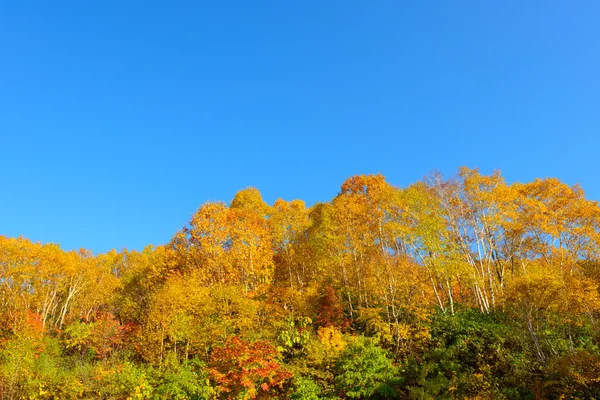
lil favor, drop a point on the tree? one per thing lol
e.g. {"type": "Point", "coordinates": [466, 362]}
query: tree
{"type": "Point", "coordinates": [364, 370]}
{"type": "Point", "coordinates": [244, 370]}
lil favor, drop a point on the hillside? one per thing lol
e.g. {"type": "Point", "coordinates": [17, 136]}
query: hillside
{"type": "Point", "coordinates": [463, 287]}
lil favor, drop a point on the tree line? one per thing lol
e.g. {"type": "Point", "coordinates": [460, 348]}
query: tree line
{"type": "Point", "coordinates": [451, 288]}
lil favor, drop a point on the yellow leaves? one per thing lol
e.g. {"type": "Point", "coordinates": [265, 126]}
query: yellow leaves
{"type": "Point", "coordinates": [403, 331]}
{"type": "Point", "coordinates": [537, 289]}
{"type": "Point", "coordinates": [231, 245]}
{"type": "Point", "coordinates": [573, 373]}
{"type": "Point", "coordinates": [375, 325]}
{"type": "Point", "coordinates": [288, 221]}
{"type": "Point", "coordinates": [251, 252]}
{"type": "Point", "coordinates": [372, 187]}
{"type": "Point", "coordinates": [186, 314]}
{"type": "Point", "coordinates": [250, 199]}
{"type": "Point", "coordinates": [331, 338]}
{"type": "Point", "coordinates": [581, 295]}
{"type": "Point", "coordinates": [478, 230]}
{"type": "Point", "coordinates": [544, 289]}
{"type": "Point", "coordinates": [51, 282]}
{"type": "Point", "coordinates": [560, 219]}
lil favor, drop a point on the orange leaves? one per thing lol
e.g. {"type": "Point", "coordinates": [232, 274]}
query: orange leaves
{"type": "Point", "coordinates": [373, 260]}
{"type": "Point", "coordinates": [288, 221]}
{"type": "Point", "coordinates": [239, 368]}
{"type": "Point", "coordinates": [106, 335]}
{"type": "Point", "coordinates": [493, 232]}
{"type": "Point", "coordinates": [374, 187]}
{"type": "Point", "coordinates": [572, 375]}
{"type": "Point", "coordinates": [329, 309]}
{"type": "Point", "coordinates": [103, 336]}
{"type": "Point", "coordinates": [557, 221]}
{"type": "Point", "coordinates": [50, 282]}
{"type": "Point", "coordinates": [33, 325]}
{"type": "Point", "coordinates": [230, 245]}
{"type": "Point", "coordinates": [250, 199]}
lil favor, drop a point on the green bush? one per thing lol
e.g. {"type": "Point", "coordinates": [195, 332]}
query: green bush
{"type": "Point", "coordinates": [364, 370]}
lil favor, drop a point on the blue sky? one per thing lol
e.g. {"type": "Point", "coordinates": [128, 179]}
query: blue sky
{"type": "Point", "coordinates": [118, 119]}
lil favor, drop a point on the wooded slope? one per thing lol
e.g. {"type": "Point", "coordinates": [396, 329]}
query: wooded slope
{"type": "Point", "coordinates": [450, 288]}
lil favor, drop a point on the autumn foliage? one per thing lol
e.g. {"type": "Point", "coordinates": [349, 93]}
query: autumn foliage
{"type": "Point", "coordinates": [461, 287]}
{"type": "Point", "coordinates": [246, 370]}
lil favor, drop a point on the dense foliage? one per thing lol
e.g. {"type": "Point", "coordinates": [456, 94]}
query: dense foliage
{"type": "Point", "coordinates": [462, 288]}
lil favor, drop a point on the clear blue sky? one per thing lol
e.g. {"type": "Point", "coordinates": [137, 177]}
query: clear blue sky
{"type": "Point", "coordinates": [119, 118]}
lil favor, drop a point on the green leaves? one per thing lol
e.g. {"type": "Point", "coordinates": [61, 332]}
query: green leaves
{"type": "Point", "coordinates": [294, 336]}
{"type": "Point", "coordinates": [468, 287]}
{"type": "Point", "coordinates": [365, 369]}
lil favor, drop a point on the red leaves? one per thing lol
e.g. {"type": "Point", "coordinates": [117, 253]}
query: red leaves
{"type": "Point", "coordinates": [34, 324]}
{"type": "Point", "coordinates": [240, 367]}
{"type": "Point", "coordinates": [107, 335]}
{"type": "Point", "coordinates": [330, 311]}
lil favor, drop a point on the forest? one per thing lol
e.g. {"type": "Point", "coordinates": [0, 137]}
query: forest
{"type": "Point", "coordinates": [465, 287]}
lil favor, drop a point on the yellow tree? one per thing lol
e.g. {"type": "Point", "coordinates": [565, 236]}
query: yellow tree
{"type": "Point", "coordinates": [476, 210]}
{"type": "Point", "coordinates": [250, 199]}
{"type": "Point", "coordinates": [358, 245]}
{"type": "Point", "coordinates": [559, 225]}
{"type": "Point", "coordinates": [18, 263]}
{"type": "Point", "coordinates": [251, 252]}
{"type": "Point", "coordinates": [423, 236]}
{"type": "Point", "coordinates": [203, 243]}
{"type": "Point", "coordinates": [230, 245]}
{"type": "Point", "coordinates": [288, 222]}
{"type": "Point", "coordinates": [47, 281]}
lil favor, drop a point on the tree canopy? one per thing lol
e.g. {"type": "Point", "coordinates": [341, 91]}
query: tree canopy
{"type": "Point", "coordinates": [461, 287]}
